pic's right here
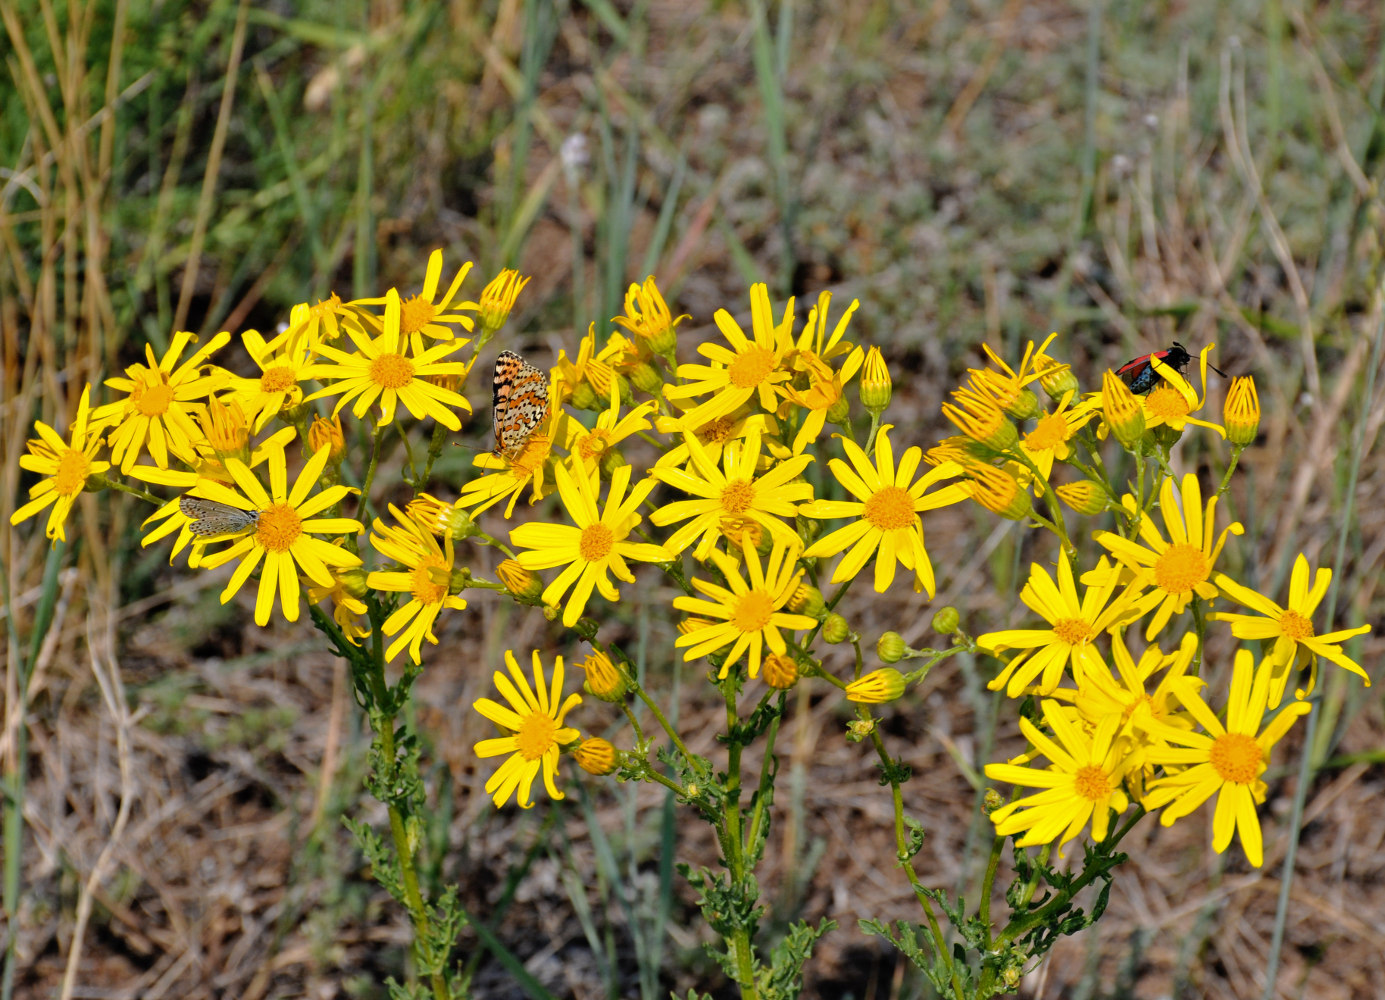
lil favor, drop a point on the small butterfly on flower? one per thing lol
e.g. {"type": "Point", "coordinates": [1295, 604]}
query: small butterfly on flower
{"type": "Point", "coordinates": [520, 403]}
{"type": "Point", "coordinates": [211, 517]}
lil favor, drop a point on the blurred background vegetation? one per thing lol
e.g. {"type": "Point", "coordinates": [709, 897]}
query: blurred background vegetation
{"type": "Point", "coordinates": [1124, 173]}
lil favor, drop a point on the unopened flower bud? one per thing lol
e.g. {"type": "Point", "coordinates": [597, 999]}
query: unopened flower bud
{"type": "Point", "coordinates": [875, 385]}
{"type": "Point", "coordinates": [353, 581]}
{"type": "Point", "coordinates": [999, 492]}
{"type": "Point", "coordinates": [807, 600]}
{"type": "Point", "coordinates": [1086, 496]}
{"type": "Point", "coordinates": [1124, 414]}
{"type": "Point", "coordinates": [876, 687]}
{"type": "Point", "coordinates": [597, 756]}
{"type": "Point", "coordinates": [325, 433]}
{"type": "Point", "coordinates": [991, 801]}
{"type": "Point", "coordinates": [779, 671]}
{"type": "Point", "coordinates": [520, 582]}
{"type": "Point", "coordinates": [891, 647]}
{"type": "Point", "coordinates": [1057, 379]}
{"type": "Point", "coordinates": [605, 680]}
{"type": "Point", "coordinates": [646, 378]}
{"type": "Point", "coordinates": [1024, 405]}
{"type": "Point", "coordinates": [982, 420]}
{"type": "Point", "coordinates": [946, 619]}
{"type": "Point", "coordinates": [1242, 411]}
{"type": "Point", "coordinates": [835, 629]}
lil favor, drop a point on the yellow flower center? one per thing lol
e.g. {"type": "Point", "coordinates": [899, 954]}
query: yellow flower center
{"type": "Point", "coordinates": [1073, 631]}
{"type": "Point", "coordinates": [1166, 403]}
{"type": "Point", "coordinates": [1181, 568]}
{"type": "Point", "coordinates": [738, 496]}
{"type": "Point", "coordinates": [1236, 757]}
{"type": "Point", "coordinates": [593, 444]}
{"type": "Point", "coordinates": [751, 367]}
{"type": "Point", "coordinates": [1295, 626]}
{"type": "Point", "coordinates": [889, 508]}
{"type": "Point", "coordinates": [596, 542]}
{"type": "Point", "coordinates": [278, 379]}
{"type": "Point", "coordinates": [279, 527]}
{"type": "Point", "coordinates": [1050, 432]}
{"type": "Point", "coordinates": [536, 736]}
{"type": "Point", "coordinates": [1091, 783]}
{"type": "Point", "coordinates": [415, 313]}
{"type": "Point", "coordinates": [391, 371]}
{"type": "Point", "coordinates": [1144, 701]}
{"type": "Point", "coordinates": [718, 430]}
{"type": "Point", "coordinates": [71, 475]}
{"type": "Point", "coordinates": [429, 579]}
{"type": "Point", "coordinates": [753, 611]}
{"type": "Point", "coordinates": [152, 399]}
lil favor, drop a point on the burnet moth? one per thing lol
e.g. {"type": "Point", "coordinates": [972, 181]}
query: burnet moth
{"type": "Point", "coordinates": [1139, 373]}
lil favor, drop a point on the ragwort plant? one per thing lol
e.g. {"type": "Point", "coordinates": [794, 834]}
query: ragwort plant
{"type": "Point", "coordinates": [698, 469]}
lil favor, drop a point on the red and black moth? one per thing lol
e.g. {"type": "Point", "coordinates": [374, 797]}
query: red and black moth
{"type": "Point", "coordinates": [1139, 373]}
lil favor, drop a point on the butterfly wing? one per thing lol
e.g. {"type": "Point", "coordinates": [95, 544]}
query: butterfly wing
{"type": "Point", "coordinates": [520, 402]}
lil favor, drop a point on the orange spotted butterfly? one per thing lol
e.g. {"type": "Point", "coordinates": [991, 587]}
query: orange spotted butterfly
{"type": "Point", "coordinates": [520, 403]}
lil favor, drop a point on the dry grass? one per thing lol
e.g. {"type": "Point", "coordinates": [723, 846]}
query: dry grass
{"type": "Point", "coordinates": [187, 772]}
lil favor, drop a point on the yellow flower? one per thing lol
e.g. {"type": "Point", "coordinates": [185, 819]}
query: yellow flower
{"type": "Point", "coordinates": [1226, 761]}
{"type": "Point", "coordinates": [744, 614]}
{"type": "Point", "coordinates": [1241, 411]}
{"type": "Point", "coordinates": [158, 409]}
{"type": "Point", "coordinates": [998, 491]}
{"type": "Point", "coordinates": [604, 679]}
{"type": "Point", "coordinates": [327, 434]}
{"type": "Point", "coordinates": [597, 756]}
{"type": "Point", "coordinates": [981, 419]}
{"type": "Point", "coordinates": [534, 720]}
{"type": "Point", "coordinates": [1290, 627]}
{"type": "Point", "coordinates": [276, 389]}
{"type": "Point", "coordinates": [592, 446]}
{"type": "Point", "coordinates": [426, 315]}
{"type": "Point", "coordinates": [735, 493]}
{"type": "Point", "coordinates": [648, 317]}
{"type": "Point", "coordinates": [347, 608]}
{"type": "Point", "coordinates": [426, 576]}
{"type": "Point", "coordinates": [716, 434]}
{"type": "Point", "coordinates": [888, 504]}
{"type": "Point", "coordinates": [875, 383]}
{"type": "Point", "coordinates": [1083, 783]}
{"type": "Point", "coordinates": [1085, 496]}
{"type": "Point", "coordinates": [225, 428]}
{"type": "Point", "coordinates": [1048, 441]}
{"type": "Point", "coordinates": [497, 300]}
{"type": "Point", "coordinates": [1007, 385]}
{"type": "Point", "coordinates": [1172, 401]}
{"type": "Point", "coordinates": [594, 545]}
{"type": "Point", "coordinates": [1177, 569]}
{"type": "Point", "coordinates": [203, 469]}
{"type": "Point", "coordinates": [748, 369]}
{"type": "Point", "coordinates": [67, 467]}
{"type": "Point", "coordinates": [1074, 625]}
{"type": "Point", "coordinates": [312, 325]}
{"type": "Point", "coordinates": [531, 467]}
{"type": "Point", "coordinates": [824, 399]}
{"type": "Point", "coordinates": [383, 370]}
{"type": "Point", "coordinates": [876, 687]}
{"type": "Point", "coordinates": [586, 382]}
{"type": "Point", "coordinates": [282, 537]}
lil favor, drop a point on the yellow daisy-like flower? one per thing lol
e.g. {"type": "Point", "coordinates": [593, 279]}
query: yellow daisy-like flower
{"type": "Point", "coordinates": [744, 614]}
{"type": "Point", "coordinates": [1290, 627]}
{"type": "Point", "coordinates": [1048, 441]}
{"type": "Point", "coordinates": [748, 369]}
{"type": "Point", "coordinates": [587, 381]}
{"type": "Point", "coordinates": [426, 577]}
{"type": "Point", "coordinates": [888, 504]}
{"type": "Point", "coordinates": [277, 387]}
{"type": "Point", "coordinates": [1074, 625]}
{"type": "Point", "coordinates": [649, 318]}
{"type": "Point", "coordinates": [312, 325]}
{"type": "Point", "coordinates": [593, 446]}
{"type": "Point", "coordinates": [737, 493]}
{"type": "Point", "coordinates": [714, 435]}
{"type": "Point", "coordinates": [534, 720]}
{"type": "Point", "coordinates": [823, 399]}
{"type": "Point", "coordinates": [67, 466]}
{"type": "Point", "coordinates": [383, 370]}
{"type": "Point", "coordinates": [1083, 783]}
{"type": "Point", "coordinates": [1172, 403]}
{"type": "Point", "coordinates": [532, 467]}
{"type": "Point", "coordinates": [1180, 568]}
{"type": "Point", "coordinates": [427, 315]}
{"type": "Point", "coordinates": [157, 411]}
{"type": "Point", "coordinates": [594, 546]}
{"type": "Point", "coordinates": [347, 607]}
{"type": "Point", "coordinates": [202, 469]}
{"type": "Point", "coordinates": [283, 535]}
{"type": "Point", "coordinates": [1226, 761]}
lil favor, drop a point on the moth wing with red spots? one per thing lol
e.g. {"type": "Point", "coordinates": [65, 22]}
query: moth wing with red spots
{"type": "Point", "coordinates": [520, 403]}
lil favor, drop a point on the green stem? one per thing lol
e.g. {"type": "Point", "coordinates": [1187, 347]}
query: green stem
{"type": "Point", "coordinates": [377, 438]}
{"type": "Point", "coordinates": [733, 850]}
{"type": "Point", "coordinates": [1236, 450]}
{"type": "Point", "coordinates": [135, 491]}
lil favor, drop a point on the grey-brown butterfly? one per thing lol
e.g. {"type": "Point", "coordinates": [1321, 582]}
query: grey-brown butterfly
{"type": "Point", "coordinates": [212, 517]}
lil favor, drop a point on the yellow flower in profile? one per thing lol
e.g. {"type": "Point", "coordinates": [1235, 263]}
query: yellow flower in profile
{"type": "Point", "coordinates": [714, 435]}
{"type": "Point", "coordinates": [747, 369]}
{"type": "Point", "coordinates": [734, 491]}
{"type": "Point", "coordinates": [1074, 624]}
{"type": "Point", "coordinates": [427, 315]}
{"type": "Point", "coordinates": [745, 614]}
{"type": "Point", "coordinates": [66, 466]}
{"type": "Point", "coordinates": [1226, 761]}
{"type": "Point", "coordinates": [824, 399]}
{"type": "Point", "coordinates": [888, 504]}
{"type": "Point", "coordinates": [648, 317]}
{"type": "Point", "coordinates": [1178, 569]}
{"type": "Point", "coordinates": [1123, 414]}
{"type": "Point", "coordinates": [982, 419]}
{"type": "Point", "coordinates": [536, 734]}
{"type": "Point", "coordinates": [877, 687]}
{"type": "Point", "coordinates": [1290, 627]}
{"type": "Point", "coordinates": [594, 545]}
{"type": "Point", "coordinates": [497, 300]}
{"type": "Point", "coordinates": [158, 408]}
{"type": "Point", "coordinates": [347, 607]}
{"type": "Point", "coordinates": [312, 325]}
{"type": "Point", "coordinates": [283, 535]}
{"type": "Point", "coordinates": [277, 387]}
{"type": "Point", "coordinates": [1081, 785]}
{"type": "Point", "coordinates": [425, 574]}
{"type": "Point", "coordinates": [383, 370]}
{"type": "Point", "coordinates": [1006, 385]}
{"type": "Point", "coordinates": [1241, 412]}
